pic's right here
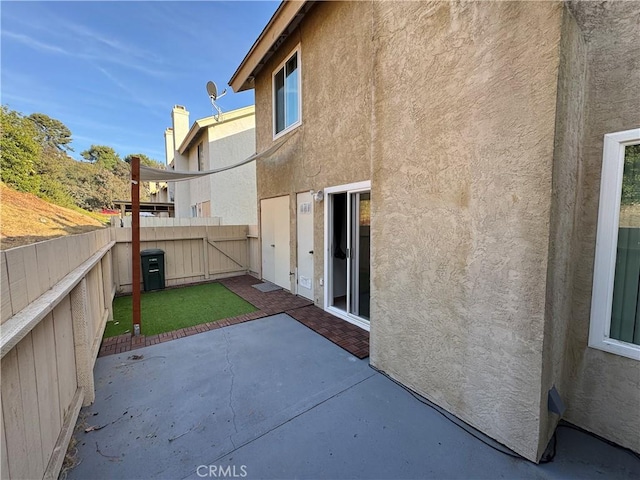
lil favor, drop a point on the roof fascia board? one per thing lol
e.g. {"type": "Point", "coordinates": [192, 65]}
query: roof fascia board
{"type": "Point", "coordinates": [271, 36]}
{"type": "Point", "coordinates": [206, 122]}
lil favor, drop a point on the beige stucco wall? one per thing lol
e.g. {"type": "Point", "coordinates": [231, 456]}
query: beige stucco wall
{"type": "Point", "coordinates": [199, 188]}
{"type": "Point", "coordinates": [464, 118]}
{"type": "Point", "coordinates": [605, 393]}
{"type": "Point", "coordinates": [480, 125]}
{"type": "Point", "coordinates": [331, 147]}
{"type": "Point", "coordinates": [232, 194]}
{"type": "Point", "coordinates": [564, 233]}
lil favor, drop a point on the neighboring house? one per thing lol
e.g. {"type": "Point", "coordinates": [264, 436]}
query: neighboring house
{"type": "Point", "coordinates": [159, 192]}
{"type": "Point", "coordinates": [458, 147]}
{"type": "Point", "coordinates": [210, 144]}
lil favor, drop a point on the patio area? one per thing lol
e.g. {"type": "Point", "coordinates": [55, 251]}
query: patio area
{"type": "Point", "coordinates": [348, 336]}
{"type": "Point", "coordinates": [270, 398]}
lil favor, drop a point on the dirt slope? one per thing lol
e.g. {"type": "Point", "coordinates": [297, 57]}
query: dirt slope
{"type": "Point", "coordinates": [25, 218]}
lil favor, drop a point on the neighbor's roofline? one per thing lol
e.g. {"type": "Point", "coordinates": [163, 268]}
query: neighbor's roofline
{"type": "Point", "coordinates": [283, 21]}
{"type": "Point", "coordinates": [207, 122]}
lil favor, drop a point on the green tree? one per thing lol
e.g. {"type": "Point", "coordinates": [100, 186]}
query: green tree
{"type": "Point", "coordinates": [53, 185]}
{"type": "Point", "coordinates": [54, 133]}
{"type": "Point", "coordinates": [19, 151]}
{"type": "Point", "coordinates": [146, 161]}
{"type": "Point", "coordinates": [103, 156]}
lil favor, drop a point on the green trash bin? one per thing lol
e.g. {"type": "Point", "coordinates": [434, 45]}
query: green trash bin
{"type": "Point", "coordinates": [152, 269]}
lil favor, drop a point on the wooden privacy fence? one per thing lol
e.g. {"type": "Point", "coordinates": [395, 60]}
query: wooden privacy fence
{"type": "Point", "coordinates": [192, 253]}
{"type": "Point", "coordinates": [56, 300]}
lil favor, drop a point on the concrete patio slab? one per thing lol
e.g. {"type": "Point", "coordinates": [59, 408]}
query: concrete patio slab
{"type": "Point", "coordinates": [272, 399]}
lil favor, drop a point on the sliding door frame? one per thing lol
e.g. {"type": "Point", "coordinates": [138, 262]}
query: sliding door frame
{"type": "Point", "coordinates": [348, 189]}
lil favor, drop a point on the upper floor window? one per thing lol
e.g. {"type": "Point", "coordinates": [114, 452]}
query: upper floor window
{"type": "Point", "coordinates": [287, 94]}
{"type": "Point", "coordinates": [615, 303]}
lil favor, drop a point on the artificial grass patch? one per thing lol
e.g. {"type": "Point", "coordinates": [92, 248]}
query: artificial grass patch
{"type": "Point", "coordinates": [168, 310]}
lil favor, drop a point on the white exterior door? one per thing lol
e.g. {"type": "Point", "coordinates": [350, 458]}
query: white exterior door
{"type": "Point", "coordinates": [274, 222]}
{"type": "Point", "coordinates": [304, 228]}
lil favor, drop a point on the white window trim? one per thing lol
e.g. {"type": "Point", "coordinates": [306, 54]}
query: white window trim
{"type": "Point", "coordinates": [606, 245]}
{"type": "Point", "coordinates": [350, 187]}
{"type": "Point", "coordinates": [273, 94]}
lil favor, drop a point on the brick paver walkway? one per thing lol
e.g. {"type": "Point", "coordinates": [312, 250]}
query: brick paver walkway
{"type": "Point", "coordinates": [353, 339]}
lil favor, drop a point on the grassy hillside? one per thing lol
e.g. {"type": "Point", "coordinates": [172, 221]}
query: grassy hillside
{"type": "Point", "coordinates": [25, 219]}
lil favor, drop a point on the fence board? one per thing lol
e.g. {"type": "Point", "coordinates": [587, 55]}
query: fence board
{"type": "Point", "coordinates": [17, 279]}
{"type": "Point", "coordinates": [95, 308]}
{"type": "Point", "coordinates": [185, 253]}
{"type": "Point", "coordinates": [42, 255]}
{"type": "Point", "coordinates": [29, 393]}
{"type": "Point", "coordinates": [59, 266]}
{"type": "Point", "coordinates": [14, 420]}
{"type": "Point", "coordinates": [170, 257]}
{"type": "Point", "coordinates": [186, 258]}
{"type": "Point", "coordinates": [4, 456]}
{"type": "Point", "coordinates": [254, 250]}
{"type": "Point", "coordinates": [72, 251]}
{"type": "Point", "coordinates": [65, 356]}
{"type": "Point", "coordinates": [197, 256]}
{"type": "Point", "coordinates": [97, 284]}
{"type": "Point", "coordinates": [84, 247]}
{"type": "Point", "coordinates": [38, 392]}
{"type": "Point", "coordinates": [31, 271]}
{"type": "Point", "coordinates": [6, 310]}
{"type": "Point", "coordinates": [196, 232]}
{"type": "Point", "coordinates": [124, 262]}
{"type": "Point", "coordinates": [44, 350]}
{"type": "Point", "coordinates": [123, 234]}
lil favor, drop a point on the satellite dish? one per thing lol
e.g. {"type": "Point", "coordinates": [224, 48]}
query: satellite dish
{"type": "Point", "coordinates": [212, 90]}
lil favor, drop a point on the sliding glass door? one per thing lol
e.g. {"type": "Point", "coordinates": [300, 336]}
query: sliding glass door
{"type": "Point", "coordinates": [348, 292]}
{"type": "Point", "coordinates": [359, 263]}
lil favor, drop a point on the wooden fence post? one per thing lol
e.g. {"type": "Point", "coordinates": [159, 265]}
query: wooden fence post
{"type": "Point", "coordinates": [107, 283]}
{"type": "Point", "coordinates": [82, 342]}
{"type": "Point", "coordinates": [205, 258]}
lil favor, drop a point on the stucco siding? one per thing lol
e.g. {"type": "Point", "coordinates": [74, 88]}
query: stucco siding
{"type": "Point", "coordinates": [331, 147]}
{"type": "Point", "coordinates": [225, 141]}
{"type": "Point", "coordinates": [480, 126]}
{"type": "Point", "coordinates": [462, 153]}
{"type": "Point", "coordinates": [605, 393]}
{"type": "Point", "coordinates": [199, 188]}
{"type": "Point", "coordinates": [233, 192]}
{"type": "Point", "coordinates": [565, 235]}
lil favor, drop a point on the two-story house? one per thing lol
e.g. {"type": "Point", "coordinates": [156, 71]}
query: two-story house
{"type": "Point", "coordinates": [439, 183]}
{"type": "Point", "coordinates": [212, 143]}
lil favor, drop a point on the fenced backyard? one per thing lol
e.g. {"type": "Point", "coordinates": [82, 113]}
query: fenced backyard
{"type": "Point", "coordinates": [56, 299]}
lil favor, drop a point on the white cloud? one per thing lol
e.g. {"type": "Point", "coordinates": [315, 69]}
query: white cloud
{"type": "Point", "coordinates": [35, 44]}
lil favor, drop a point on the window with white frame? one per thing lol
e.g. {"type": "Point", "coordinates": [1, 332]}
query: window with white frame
{"type": "Point", "coordinates": [615, 303]}
{"type": "Point", "coordinates": [287, 94]}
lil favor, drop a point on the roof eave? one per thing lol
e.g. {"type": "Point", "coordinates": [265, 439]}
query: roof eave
{"type": "Point", "coordinates": [285, 19]}
{"type": "Point", "coordinates": [207, 122]}
{"type": "Point", "coordinates": [193, 133]}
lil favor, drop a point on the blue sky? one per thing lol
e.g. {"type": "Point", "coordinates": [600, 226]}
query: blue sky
{"type": "Point", "coordinates": [112, 71]}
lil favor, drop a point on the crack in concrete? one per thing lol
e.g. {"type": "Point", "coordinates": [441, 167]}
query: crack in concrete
{"type": "Point", "coordinates": [233, 377]}
{"type": "Point", "coordinates": [292, 418]}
